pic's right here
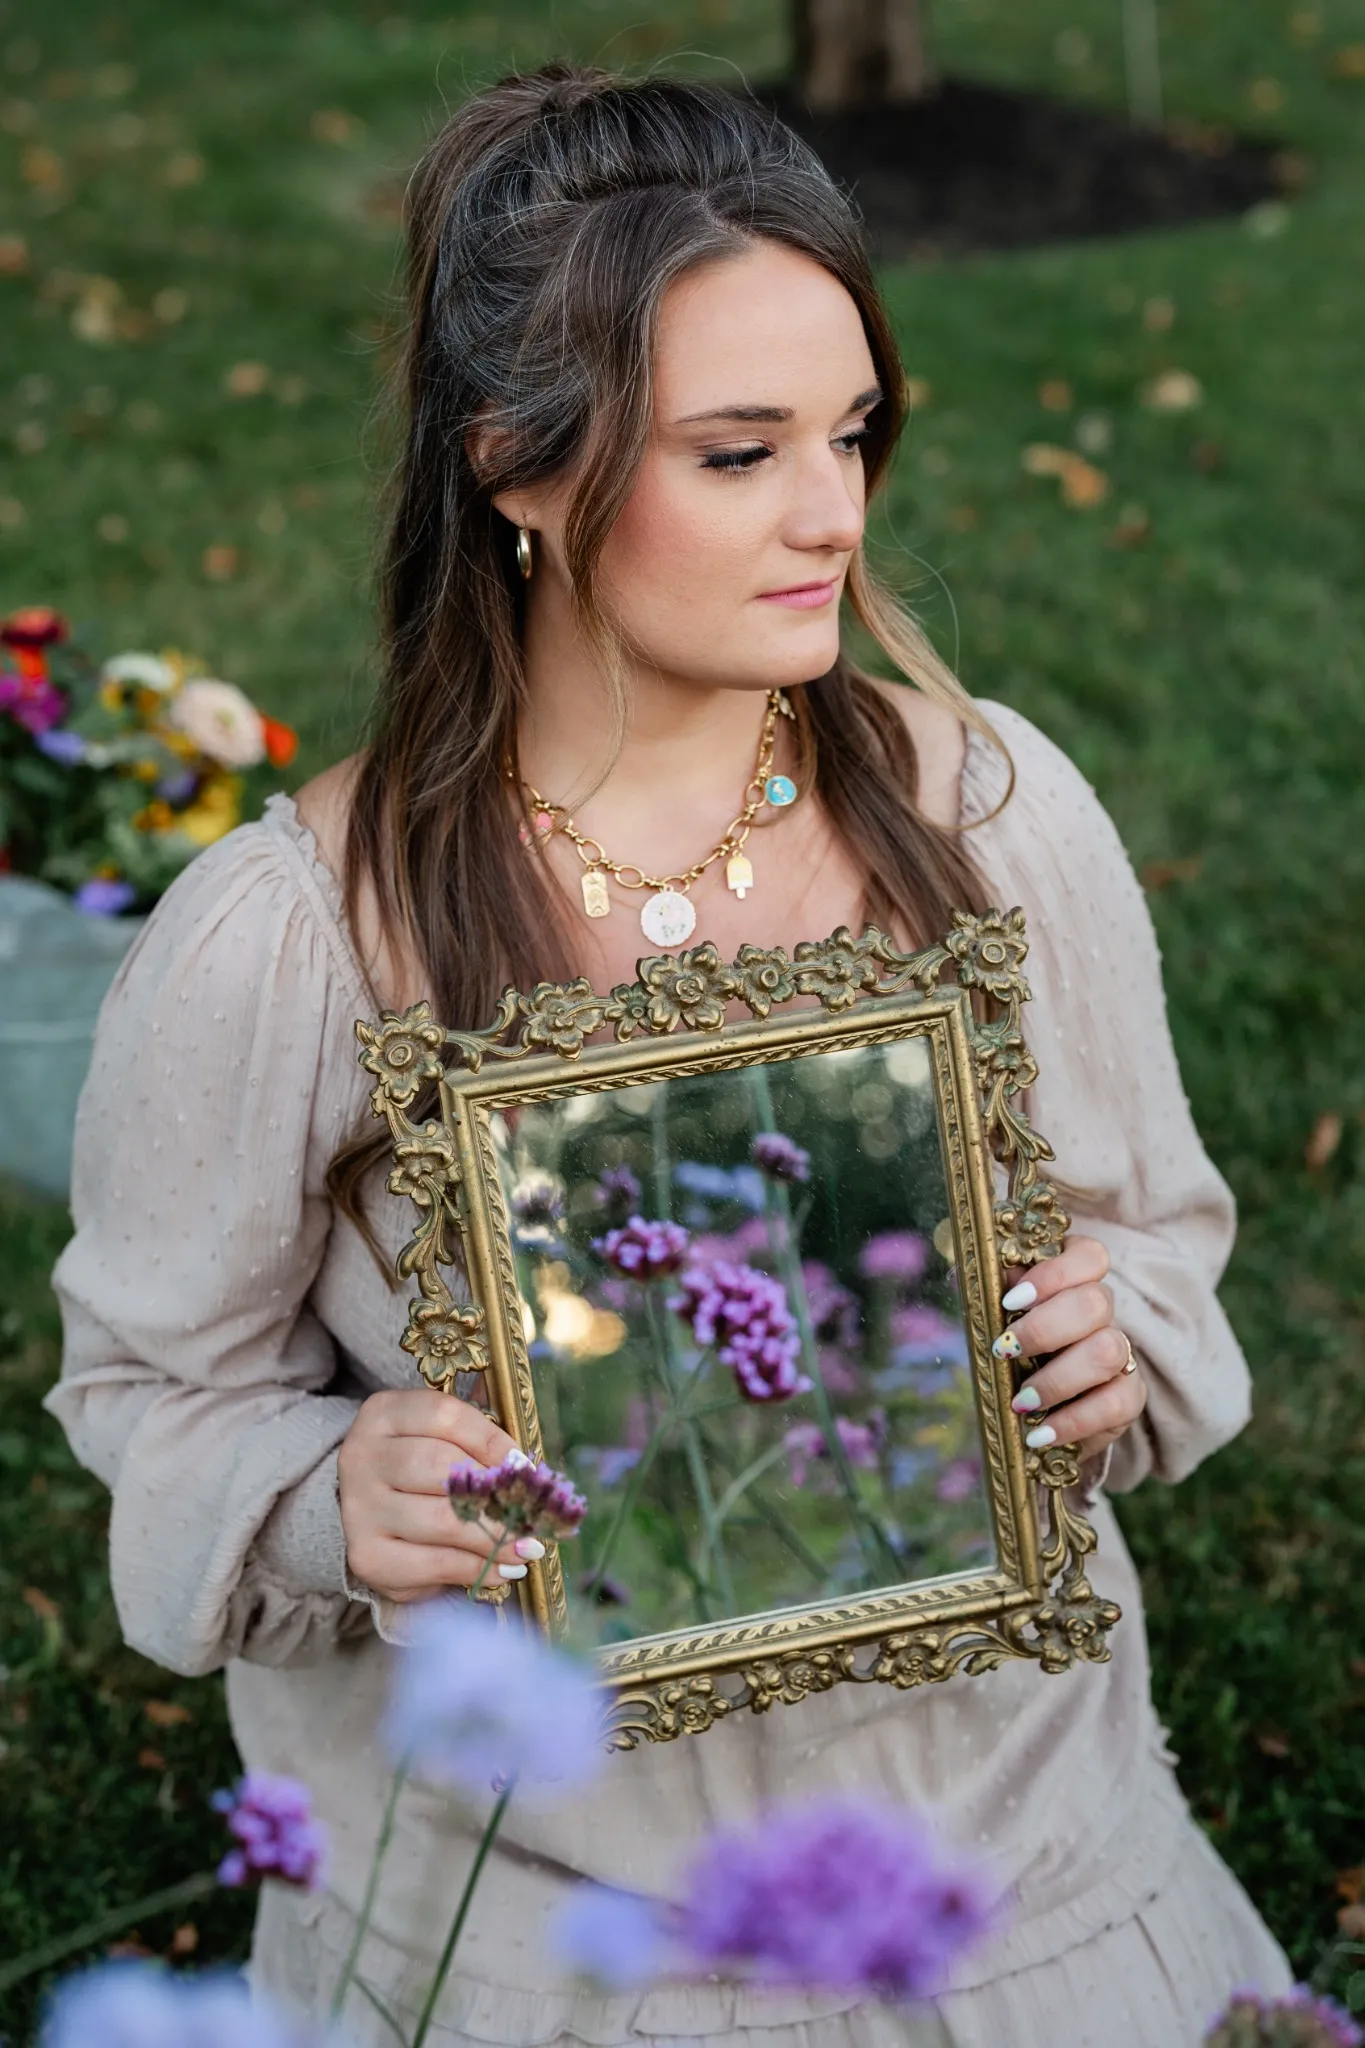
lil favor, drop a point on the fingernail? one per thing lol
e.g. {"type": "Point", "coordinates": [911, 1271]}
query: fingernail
{"type": "Point", "coordinates": [529, 1546]}
{"type": "Point", "coordinates": [1007, 1345]}
{"type": "Point", "coordinates": [1039, 1439]}
{"type": "Point", "coordinates": [1027, 1399]}
{"type": "Point", "coordinates": [1022, 1296]}
{"type": "Point", "coordinates": [516, 1456]}
{"type": "Point", "coordinates": [518, 1571]}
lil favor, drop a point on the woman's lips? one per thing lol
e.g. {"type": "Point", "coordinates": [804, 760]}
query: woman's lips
{"type": "Point", "coordinates": [806, 597]}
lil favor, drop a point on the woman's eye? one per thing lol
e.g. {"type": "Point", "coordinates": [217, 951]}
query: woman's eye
{"type": "Point", "coordinates": [849, 441]}
{"type": "Point", "coordinates": [735, 458]}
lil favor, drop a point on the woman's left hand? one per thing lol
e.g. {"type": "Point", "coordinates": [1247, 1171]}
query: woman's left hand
{"type": "Point", "coordinates": [1089, 1397]}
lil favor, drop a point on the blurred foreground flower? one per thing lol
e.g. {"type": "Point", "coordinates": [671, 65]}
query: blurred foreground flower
{"type": "Point", "coordinates": [272, 1821]}
{"type": "Point", "coordinates": [221, 720]}
{"type": "Point", "coordinates": [835, 1894]}
{"type": "Point", "coordinates": [526, 1499]}
{"type": "Point", "coordinates": [744, 1313]}
{"type": "Point", "coordinates": [142, 2005]}
{"type": "Point", "coordinates": [1297, 2020]}
{"type": "Point", "coordinates": [476, 1700]}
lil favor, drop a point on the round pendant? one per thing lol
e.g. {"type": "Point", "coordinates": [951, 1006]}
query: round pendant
{"type": "Point", "coordinates": [668, 918]}
{"type": "Point", "coordinates": [780, 790]}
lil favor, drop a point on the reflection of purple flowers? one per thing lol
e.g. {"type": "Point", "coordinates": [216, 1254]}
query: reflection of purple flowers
{"type": "Point", "coordinates": [743, 1184]}
{"type": "Point", "coordinates": [899, 1255]}
{"type": "Point", "coordinates": [526, 1499]}
{"type": "Point", "coordinates": [538, 1208]}
{"type": "Point", "coordinates": [608, 1463]}
{"type": "Point", "coordinates": [644, 1251]}
{"type": "Point", "coordinates": [618, 1188]}
{"type": "Point", "coordinates": [922, 1334]}
{"type": "Point", "coordinates": [780, 1157]}
{"type": "Point", "coordinates": [959, 1479]}
{"type": "Point", "coordinates": [862, 1441]}
{"type": "Point", "coordinates": [744, 1313]}
{"type": "Point", "coordinates": [1299, 2019]}
{"type": "Point", "coordinates": [840, 1894]}
{"type": "Point", "coordinates": [833, 1309]}
{"type": "Point", "coordinates": [272, 1821]}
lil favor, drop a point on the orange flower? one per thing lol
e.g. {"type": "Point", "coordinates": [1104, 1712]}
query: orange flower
{"type": "Point", "coordinates": [281, 742]}
{"type": "Point", "coordinates": [35, 625]}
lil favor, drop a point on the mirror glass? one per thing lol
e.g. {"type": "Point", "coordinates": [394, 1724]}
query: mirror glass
{"type": "Point", "coordinates": [738, 1294]}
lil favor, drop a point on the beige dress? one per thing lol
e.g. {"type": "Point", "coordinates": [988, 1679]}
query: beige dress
{"type": "Point", "coordinates": [222, 1323]}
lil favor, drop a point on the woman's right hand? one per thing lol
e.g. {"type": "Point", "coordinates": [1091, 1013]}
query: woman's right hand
{"type": "Point", "coordinates": [403, 1539]}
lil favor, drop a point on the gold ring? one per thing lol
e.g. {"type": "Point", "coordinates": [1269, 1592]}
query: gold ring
{"type": "Point", "coordinates": [1131, 1366]}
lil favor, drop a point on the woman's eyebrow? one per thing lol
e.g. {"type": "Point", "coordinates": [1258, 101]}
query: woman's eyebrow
{"type": "Point", "coordinates": [771, 414]}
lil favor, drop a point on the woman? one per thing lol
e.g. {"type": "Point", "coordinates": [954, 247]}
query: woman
{"type": "Point", "coordinates": [649, 386]}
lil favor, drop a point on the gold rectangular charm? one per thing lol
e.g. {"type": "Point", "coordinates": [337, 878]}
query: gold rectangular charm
{"type": "Point", "coordinates": [739, 874]}
{"type": "Point", "coordinates": [596, 901]}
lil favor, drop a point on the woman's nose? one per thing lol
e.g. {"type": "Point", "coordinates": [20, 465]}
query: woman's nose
{"type": "Point", "coordinates": [826, 510]}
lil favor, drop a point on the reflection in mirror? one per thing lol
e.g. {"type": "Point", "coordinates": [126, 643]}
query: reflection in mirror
{"type": "Point", "coordinates": [746, 1340]}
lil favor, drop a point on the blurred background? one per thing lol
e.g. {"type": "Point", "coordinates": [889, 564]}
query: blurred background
{"type": "Point", "coordinates": [1125, 248]}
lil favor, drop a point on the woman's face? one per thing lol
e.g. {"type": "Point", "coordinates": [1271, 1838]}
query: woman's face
{"type": "Point", "coordinates": [727, 564]}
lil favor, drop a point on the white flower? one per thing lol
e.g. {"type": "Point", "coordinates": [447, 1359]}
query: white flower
{"type": "Point", "coordinates": [222, 722]}
{"type": "Point", "coordinates": [147, 669]}
{"type": "Point", "coordinates": [1172, 391]}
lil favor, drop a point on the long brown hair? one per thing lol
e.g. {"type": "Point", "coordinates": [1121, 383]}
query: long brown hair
{"type": "Point", "coordinates": [544, 224]}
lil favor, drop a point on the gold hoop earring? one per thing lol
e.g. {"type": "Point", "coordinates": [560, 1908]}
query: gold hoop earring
{"type": "Point", "coordinates": [524, 562]}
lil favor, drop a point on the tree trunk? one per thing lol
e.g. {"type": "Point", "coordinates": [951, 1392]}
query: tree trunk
{"type": "Point", "coordinates": [852, 52]}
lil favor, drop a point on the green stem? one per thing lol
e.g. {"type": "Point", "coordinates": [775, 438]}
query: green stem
{"type": "Point", "coordinates": [99, 1929]}
{"type": "Point", "coordinates": [737, 1488]}
{"type": "Point", "coordinates": [878, 1554]}
{"type": "Point", "coordinates": [462, 1913]}
{"type": "Point", "coordinates": [362, 1925]}
{"type": "Point", "coordinates": [713, 1549]}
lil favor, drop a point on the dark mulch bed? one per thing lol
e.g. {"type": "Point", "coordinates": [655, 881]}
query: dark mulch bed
{"type": "Point", "coordinates": [981, 167]}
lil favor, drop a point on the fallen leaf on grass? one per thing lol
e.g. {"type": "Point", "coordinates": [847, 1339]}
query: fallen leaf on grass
{"type": "Point", "coordinates": [1323, 1140]}
{"type": "Point", "coordinates": [246, 380]}
{"type": "Point", "coordinates": [41, 166]}
{"type": "Point", "coordinates": [1134, 527]}
{"type": "Point", "coordinates": [334, 124]}
{"type": "Point", "coordinates": [219, 563]}
{"type": "Point", "coordinates": [963, 518]}
{"type": "Point", "coordinates": [1159, 874]}
{"type": "Point", "coordinates": [45, 1608]}
{"type": "Point", "coordinates": [1172, 391]}
{"type": "Point", "coordinates": [1082, 484]}
{"type": "Point", "coordinates": [166, 1713]}
{"type": "Point", "coordinates": [151, 1760]}
{"type": "Point", "coordinates": [13, 255]}
{"type": "Point", "coordinates": [918, 391]}
{"type": "Point", "coordinates": [185, 1940]}
{"type": "Point", "coordinates": [1158, 315]}
{"type": "Point", "coordinates": [1207, 457]}
{"type": "Point", "coordinates": [1267, 95]}
{"type": "Point", "coordinates": [1270, 1743]}
{"type": "Point", "coordinates": [1348, 62]}
{"type": "Point", "coordinates": [186, 167]}
{"type": "Point", "coordinates": [1055, 395]}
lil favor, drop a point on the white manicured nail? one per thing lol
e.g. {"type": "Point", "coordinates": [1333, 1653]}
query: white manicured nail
{"type": "Point", "coordinates": [1022, 1296]}
{"type": "Point", "coordinates": [1039, 1439]}
{"type": "Point", "coordinates": [529, 1546]}
{"type": "Point", "coordinates": [1026, 1399]}
{"type": "Point", "coordinates": [516, 1456]}
{"type": "Point", "coordinates": [518, 1571]}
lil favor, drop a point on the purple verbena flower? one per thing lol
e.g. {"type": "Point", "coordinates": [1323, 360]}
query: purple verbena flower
{"type": "Point", "coordinates": [837, 1894]}
{"type": "Point", "coordinates": [618, 1188]}
{"type": "Point", "coordinates": [526, 1499]}
{"type": "Point", "coordinates": [66, 747]}
{"type": "Point", "coordinates": [101, 898]}
{"type": "Point", "coordinates": [959, 1479]}
{"type": "Point", "coordinates": [833, 1309]}
{"type": "Point", "coordinates": [721, 1183]}
{"type": "Point", "coordinates": [135, 2004]}
{"type": "Point", "coordinates": [617, 1940]}
{"type": "Point", "coordinates": [1298, 2019]}
{"type": "Point", "coordinates": [476, 1701]}
{"type": "Point", "coordinates": [644, 1251]}
{"type": "Point", "coordinates": [744, 1313]}
{"type": "Point", "coordinates": [923, 1334]}
{"type": "Point", "coordinates": [780, 1157]}
{"type": "Point", "coordinates": [277, 1836]}
{"type": "Point", "coordinates": [33, 702]}
{"type": "Point", "coordinates": [899, 1255]}
{"type": "Point", "coordinates": [862, 1441]}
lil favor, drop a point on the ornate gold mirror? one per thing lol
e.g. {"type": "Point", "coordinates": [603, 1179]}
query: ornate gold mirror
{"type": "Point", "coordinates": [728, 1248]}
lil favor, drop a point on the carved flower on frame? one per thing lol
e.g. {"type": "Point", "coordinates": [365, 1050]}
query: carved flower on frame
{"type": "Point", "coordinates": [403, 1051]}
{"type": "Point", "coordinates": [691, 990]}
{"type": "Point", "coordinates": [445, 1339]}
{"type": "Point", "coordinates": [989, 951]}
{"type": "Point", "coordinates": [425, 1168]}
{"type": "Point", "coordinates": [906, 1661]}
{"type": "Point", "coordinates": [1001, 1055]}
{"type": "Point", "coordinates": [837, 970]}
{"type": "Point", "coordinates": [694, 1704]}
{"type": "Point", "coordinates": [1030, 1224]}
{"type": "Point", "coordinates": [764, 977]}
{"type": "Point", "coordinates": [559, 1016]}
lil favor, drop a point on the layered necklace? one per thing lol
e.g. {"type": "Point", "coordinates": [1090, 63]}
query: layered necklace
{"type": "Point", "coordinates": [669, 916]}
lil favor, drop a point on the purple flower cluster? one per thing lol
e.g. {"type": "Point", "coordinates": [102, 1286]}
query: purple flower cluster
{"type": "Point", "coordinates": [1300, 2019]}
{"type": "Point", "coordinates": [833, 1309]}
{"type": "Point", "coordinates": [862, 1441]}
{"type": "Point", "coordinates": [618, 1188]}
{"type": "Point", "coordinates": [524, 1498]}
{"type": "Point", "coordinates": [31, 701]}
{"type": "Point", "coordinates": [898, 1255]}
{"type": "Point", "coordinates": [833, 1895]}
{"type": "Point", "coordinates": [958, 1480]}
{"type": "Point", "coordinates": [780, 1157]}
{"type": "Point", "coordinates": [744, 1313]}
{"type": "Point", "coordinates": [272, 1821]}
{"type": "Point", "coordinates": [128, 2004]}
{"type": "Point", "coordinates": [644, 1251]}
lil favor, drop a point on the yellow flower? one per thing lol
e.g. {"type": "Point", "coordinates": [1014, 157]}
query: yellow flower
{"type": "Point", "coordinates": [216, 812]}
{"type": "Point", "coordinates": [107, 871]}
{"type": "Point", "coordinates": [157, 816]}
{"type": "Point", "coordinates": [111, 696]}
{"type": "Point", "coordinates": [146, 771]}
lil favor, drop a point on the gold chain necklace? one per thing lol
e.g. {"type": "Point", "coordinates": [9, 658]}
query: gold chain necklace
{"type": "Point", "coordinates": [669, 916]}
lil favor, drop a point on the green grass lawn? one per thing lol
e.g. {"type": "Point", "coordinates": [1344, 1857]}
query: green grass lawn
{"type": "Point", "coordinates": [1194, 641]}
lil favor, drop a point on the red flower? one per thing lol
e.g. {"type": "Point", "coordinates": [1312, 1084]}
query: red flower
{"type": "Point", "coordinates": [35, 625]}
{"type": "Point", "coordinates": [281, 742]}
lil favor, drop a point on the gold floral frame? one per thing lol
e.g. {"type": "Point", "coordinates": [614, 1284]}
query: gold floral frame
{"type": "Point", "coordinates": [1036, 1601]}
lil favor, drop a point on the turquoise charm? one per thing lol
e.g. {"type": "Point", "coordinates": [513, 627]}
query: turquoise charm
{"type": "Point", "coordinates": [780, 790]}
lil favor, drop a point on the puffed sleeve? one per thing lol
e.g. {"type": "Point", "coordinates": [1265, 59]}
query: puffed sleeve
{"type": "Point", "coordinates": [1109, 1099]}
{"type": "Point", "coordinates": [194, 1371]}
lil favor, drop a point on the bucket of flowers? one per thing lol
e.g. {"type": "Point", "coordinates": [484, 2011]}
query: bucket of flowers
{"type": "Point", "coordinates": [113, 776]}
